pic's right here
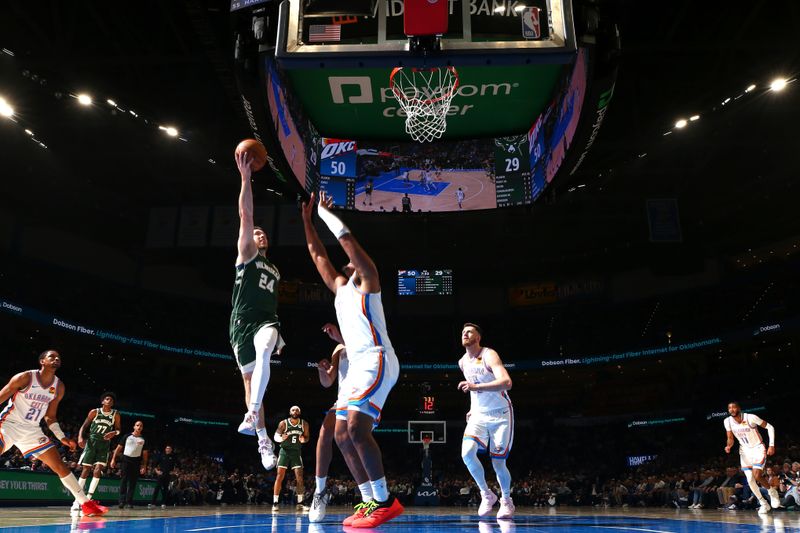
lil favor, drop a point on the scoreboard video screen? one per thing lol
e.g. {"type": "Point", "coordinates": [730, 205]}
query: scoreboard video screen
{"type": "Point", "coordinates": [438, 282]}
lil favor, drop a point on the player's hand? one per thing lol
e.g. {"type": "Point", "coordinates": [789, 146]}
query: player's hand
{"type": "Point", "coordinates": [303, 440]}
{"type": "Point", "coordinates": [332, 331]}
{"type": "Point", "coordinates": [243, 162]}
{"type": "Point", "coordinates": [284, 437]}
{"type": "Point", "coordinates": [324, 365]}
{"type": "Point", "coordinates": [113, 464]}
{"type": "Point", "coordinates": [307, 210]}
{"type": "Point", "coordinates": [727, 449]}
{"type": "Point", "coordinates": [108, 436]}
{"type": "Point", "coordinates": [142, 470]}
{"type": "Point", "coordinates": [466, 386]}
{"type": "Point", "coordinates": [771, 450]}
{"type": "Point", "coordinates": [81, 442]}
{"type": "Point", "coordinates": [69, 443]}
{"type": "Point", "coordinates": [325, 200]}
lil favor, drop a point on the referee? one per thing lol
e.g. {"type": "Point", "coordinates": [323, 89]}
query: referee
{"type": "Point", "coordinates": [132, 463]}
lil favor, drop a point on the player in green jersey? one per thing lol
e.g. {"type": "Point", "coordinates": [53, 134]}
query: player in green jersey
{"type": "Point", "coordinates": [254, 319]}
{"type": "Point", "coordinates": [292, 433]}
{"type": "Point", "coordinates": [103, 424]}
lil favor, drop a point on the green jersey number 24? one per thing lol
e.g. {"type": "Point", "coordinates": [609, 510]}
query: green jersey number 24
{"type": "Point", "coordinates": [262, 283]}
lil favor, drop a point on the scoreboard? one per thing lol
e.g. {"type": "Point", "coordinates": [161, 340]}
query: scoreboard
{"type": "Point", "coordinates": [341, 190]}
{"type": "Point", "coordinates": [512, 171]}
{"type": "Point", "coordinates": [418, 282]}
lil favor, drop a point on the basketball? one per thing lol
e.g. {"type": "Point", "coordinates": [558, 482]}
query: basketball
{"type": "Point", "coordinates": [255, 150]}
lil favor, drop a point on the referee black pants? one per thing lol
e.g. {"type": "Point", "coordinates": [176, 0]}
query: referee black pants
{"type": "Point", "coordinates": [129, 475]}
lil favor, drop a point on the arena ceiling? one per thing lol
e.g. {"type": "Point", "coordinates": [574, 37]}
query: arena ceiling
{"type": "Point", "coordinates": [733, 171]}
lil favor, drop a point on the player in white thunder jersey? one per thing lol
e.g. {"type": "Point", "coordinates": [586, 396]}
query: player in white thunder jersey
{"type": "Point", "coordinates": [374, 367]}
{"type": "Point", "coordinates": [330, 371]}
{"type": "Point", "coordinates": [34, 395]}
{"type": "Point", "coordinates": [490, 420]}
{"type": "Point", "coordinates": [752, 455]}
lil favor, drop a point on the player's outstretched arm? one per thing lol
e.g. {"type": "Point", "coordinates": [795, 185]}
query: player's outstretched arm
{"type": "Point", "coordinates": [84, 426]}
{"type": "Point", "coordinates": [770, 431]}
{"type": "Point", "coordinates": [50, 418]}
{"type": "Point", "coordinates": [280, 432]}
{"type": "Point", "coordinates": [361, 261]}
{"type": "Point", "coordinates": [306, 432]}
{"type": "Point", "coordinates": [319, 256]}
{"type": "Point", "coordinates": [501, 381]}
{"type": "Point", "coordinates": [16, 383]}
{"type": "Point", "coordinates": [246, 245]}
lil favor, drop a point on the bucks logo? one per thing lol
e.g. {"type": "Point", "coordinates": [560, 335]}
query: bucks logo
{"type": "Point", "coordinates": [511, 145]}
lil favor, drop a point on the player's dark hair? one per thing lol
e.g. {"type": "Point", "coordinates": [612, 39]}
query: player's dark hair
{"type": "Point", "coordinates": [44, 354]}
{"type": "Point", "coordinates": [106, 395]}
{"type": "Point", "coordinates": [734, 402]}
{"type": "Point", "coordinates": [471, 325]}
{"type": "Point", "coordinates": [259, 227]}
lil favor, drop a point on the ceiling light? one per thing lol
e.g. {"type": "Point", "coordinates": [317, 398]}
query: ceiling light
{"type": "Point", "coordinates": [29, 132]}
{"type": "Point", "coordinates": [111, 102]}
{"type": "Point", "coordinates": [681, 123]}
{"type": "Point", "coordinates": [519, 9]}
{"type": "Point", "coordinates": [5, 109]}
{"type": "Point", "coordinates": [778, 84]}
{"type": "Point", "coordinates": [750, 87]}
{"type": "Point", "coordinates": [499, 9]}
{"type": "Point", "coordinates": [84, 99]}
{"type": "Point", "coordinates": [694, 117]}
{"type": "Point", "coordinates": [172, 132]}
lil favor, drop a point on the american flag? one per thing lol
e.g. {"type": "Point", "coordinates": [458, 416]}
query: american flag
{"type": "Point", "coordinates": [324, 32]}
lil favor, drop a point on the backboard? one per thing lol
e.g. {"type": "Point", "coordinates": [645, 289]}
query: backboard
{"type": "Point", "coordinates": [479, 32]}
{"type": "Point", "coordinates": [435, 429]}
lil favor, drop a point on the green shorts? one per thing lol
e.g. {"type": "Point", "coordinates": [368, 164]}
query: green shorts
{"type": "Point", "coordinates": [96, 452]}
{"type": "Point", "coordinates": [248, 339]}
{"type": "Point", "coordinates": [290, 459]}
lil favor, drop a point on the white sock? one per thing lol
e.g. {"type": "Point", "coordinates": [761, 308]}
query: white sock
{"type": "Point", "coordinates": [93, 486]}
{"type": "Point", "coordinates": [379, 490]}
{"type": "Point", "coordinates": [754, 486]}
{"type": "Point", "coordinates": [299, 498]}
{"type": "Point", "coordinates": [366, 492]}
{"type": "Point", "coordinates": [71, 483]}
{"type": "Point", "coordinates": [469, 453]}
{"type": "Point", "coordinates": [82, 482]}
{"type": "Point", "coordinates": [262, 433]}
{"type": "Point", "coordinates": [320, 488]}
{"type": "Point", "coordinates": [264, 341]}
{"type": "Point", "coordinates": [275, 498]}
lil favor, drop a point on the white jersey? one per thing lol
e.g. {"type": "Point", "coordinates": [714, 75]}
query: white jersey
{"type": "Point", "coordinates": [344, 363]}
{"type": "Point", "coordinates": [476, 371]}
{"type": "Point", "coordinates": [460, 196]}
{"type": "Point", "coordinates": [746, 433]}
{"type": "Point", "coordinates": [29, 405]}
{"type": "Point", "coordinates": [361, 321]}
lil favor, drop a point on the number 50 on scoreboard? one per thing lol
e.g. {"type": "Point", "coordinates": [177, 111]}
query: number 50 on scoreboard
{"type": "Point", "coordinates": [338, 158]}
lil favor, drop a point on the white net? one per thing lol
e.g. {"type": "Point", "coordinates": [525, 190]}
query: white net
{"type": "Point", "coordinates": [424, 95]}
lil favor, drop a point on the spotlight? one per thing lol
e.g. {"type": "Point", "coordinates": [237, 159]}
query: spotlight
{"type": "Point", "coordinates": [169, 130]}
{"type": "Point", "coordinates": [750, 88]}
{"type": "Point", "coordinates": [499, 9]}
{"type": "Point", "coordinates": [694, 117]}
{"type": "Point", "coordinates": [778, 84]}
{"type": "Point", "coordinates": [84, 99]}
{"type": "Point", "coordinates": [681, 123]}
{"type": "Point", "coordinates": [29, 132]}
{"type": "Point", "coordinates": [111, 102]}
{"type": "Point", "coordinates": [5, 109]}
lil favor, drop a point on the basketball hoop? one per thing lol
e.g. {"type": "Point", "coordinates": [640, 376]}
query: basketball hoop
{"type": "Point", "coordinates": [425, 95]}
{"type": "Point", "coordinates": [426, 441]}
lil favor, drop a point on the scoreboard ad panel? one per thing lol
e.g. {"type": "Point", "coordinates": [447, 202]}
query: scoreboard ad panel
{"type": "Point", "coordinates": [438, 282]}
{"type": "Point", "coordinates": [338, 158]}
{"type": "Point", "coordinates": [512, 171]}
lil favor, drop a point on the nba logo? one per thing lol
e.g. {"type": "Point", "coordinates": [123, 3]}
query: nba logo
{"type": "Point", "coordinates": [531, 27]}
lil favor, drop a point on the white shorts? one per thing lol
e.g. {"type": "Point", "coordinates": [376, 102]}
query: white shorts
{"type": "Point", "coordinates": [370, 378]}
{"type": "Point", "coordinates": [493, 431]}
{"type": "Point", "coordinates": [752, 458]}
{"type": "Point", "coordinates": [28, 439]}
{"type": "Point", "coordinates": [340, 405]}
